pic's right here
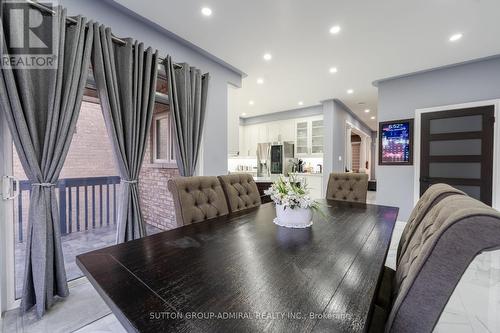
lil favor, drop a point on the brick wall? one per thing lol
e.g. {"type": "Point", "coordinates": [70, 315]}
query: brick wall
{"type": "Point", "coordinates": [356, 157]}
{"type": "Point", "coordinates": [156, 201]}
{"type": "Point", "coordinates": [91, 155]}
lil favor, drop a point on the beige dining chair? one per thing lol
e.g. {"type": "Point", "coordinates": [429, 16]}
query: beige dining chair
{"type": "Point", "coordinates": [241, 191]}
{"type": "Point", "coordinates": [450, 236]}
{"type": "Point", "coordinates": [197, 199]}
{"type": "Point", "coordinates": [431, 196]}
{"type": "Point", "coordinates": [347, 187]}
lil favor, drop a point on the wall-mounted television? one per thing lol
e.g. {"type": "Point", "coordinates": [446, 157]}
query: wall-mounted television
{"type": "Point", "coordinates": [396, 142]}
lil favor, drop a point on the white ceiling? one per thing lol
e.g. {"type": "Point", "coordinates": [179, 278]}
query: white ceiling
{"type": "Point", "coordinates": [379, 39]}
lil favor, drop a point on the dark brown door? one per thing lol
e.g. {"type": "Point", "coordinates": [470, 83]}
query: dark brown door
{"type": "Point", "coordinates": [457, 149]}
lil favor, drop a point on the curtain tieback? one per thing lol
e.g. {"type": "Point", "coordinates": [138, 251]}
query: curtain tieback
{"type": "Point", "coordinates": [43, 184]}
{"type": "Point", "coordinates": [134, 181]}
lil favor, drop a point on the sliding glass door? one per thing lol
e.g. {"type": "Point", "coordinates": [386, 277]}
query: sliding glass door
{"type": "Point", "coordinates": [7, 194]}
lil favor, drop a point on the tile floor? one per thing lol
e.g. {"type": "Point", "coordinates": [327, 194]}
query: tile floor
{"type": "Point", "coordinates": [474, 307]}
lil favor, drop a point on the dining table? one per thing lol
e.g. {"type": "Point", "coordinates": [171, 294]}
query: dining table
{"type": "Point", "coordinates": [243, 273]}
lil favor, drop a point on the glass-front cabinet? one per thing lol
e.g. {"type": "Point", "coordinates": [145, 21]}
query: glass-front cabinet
{"type": "Point", "coordinates": [317, 136]}
{"type": "Point", "coordinates": [302, 138]}
{"type": "Point", "coordinates": [309, 137]}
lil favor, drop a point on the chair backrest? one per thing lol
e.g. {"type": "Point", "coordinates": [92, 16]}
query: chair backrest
{"type": "Point", "coordinates": [347, 187]}
{"type": "Point", "coordinates": [451, 235]}
{"type": "Point", "coordinates": [197, 199]}
{"type": "Point", "coordinates": [241, 191]}
{"type": "Point", "coordinates": [431, 197]}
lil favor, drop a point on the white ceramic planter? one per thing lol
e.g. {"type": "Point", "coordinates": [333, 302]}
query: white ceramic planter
{"type": "Point", "coordinates": [293, 218]}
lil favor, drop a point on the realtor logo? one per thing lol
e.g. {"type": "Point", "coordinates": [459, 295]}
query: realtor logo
{"type": "Point", "coordinates": [29, 36]}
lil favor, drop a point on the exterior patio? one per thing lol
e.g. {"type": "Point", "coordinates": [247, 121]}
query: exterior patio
{"type": "Point", "coordinates": [73, 244]}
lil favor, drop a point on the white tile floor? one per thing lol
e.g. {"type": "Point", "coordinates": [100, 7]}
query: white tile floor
{"type": "Point", "coordinates": [474, 306]}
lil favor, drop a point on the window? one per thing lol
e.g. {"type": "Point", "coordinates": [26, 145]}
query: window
{"type": "Point", "coordinates": [163, 147]}
{"type": "Point", "coordinates": [162, 141]}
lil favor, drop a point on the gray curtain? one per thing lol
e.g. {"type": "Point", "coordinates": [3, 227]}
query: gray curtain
{"type": "Point", "coordinates": [188, 90]}
{"type": "Point", "coordinates": [42, 108]}
{"type": "Point", "coordinates": [125, 77]}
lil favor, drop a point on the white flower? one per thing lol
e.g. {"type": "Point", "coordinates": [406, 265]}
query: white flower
{"type": "Point", "coordinates": [290, 193]}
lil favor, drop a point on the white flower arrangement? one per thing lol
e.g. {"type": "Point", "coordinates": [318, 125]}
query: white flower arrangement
{"type": "Point", "coordinates": [289, 193]}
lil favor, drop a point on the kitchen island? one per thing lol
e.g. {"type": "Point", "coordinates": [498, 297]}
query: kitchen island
{"type": "Point", "coordinates": [314, 183]}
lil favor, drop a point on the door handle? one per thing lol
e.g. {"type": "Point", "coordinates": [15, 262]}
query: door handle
{"type": "Point", "coordinates": [425, 180]}
{"type": "Point", "coordinates": [10, 188]}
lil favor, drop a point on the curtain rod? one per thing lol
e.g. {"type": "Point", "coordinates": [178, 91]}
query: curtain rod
{"type": "Point", "coordinates": [73, 21]}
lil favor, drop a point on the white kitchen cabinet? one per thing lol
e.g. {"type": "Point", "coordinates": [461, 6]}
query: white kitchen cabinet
{"type": "Point", "coordinates": [248, 143]}
{"type": "Point", "coordinates": [309, 136]}
{"type": "Point", "coordinates": [302, 135]}
{"type": "Point", "coordinates": [280, 131]}
{"type": "Point", "coordinates": [306, 133]}
{"type": "Point", "coordinates": [287, 130]}
{"type": "Point", "coordinates": [314, 182]}
{"type": "Point", "coordinates": [262, 133]}
{"type": "Point", "coordinates": [317, 137]}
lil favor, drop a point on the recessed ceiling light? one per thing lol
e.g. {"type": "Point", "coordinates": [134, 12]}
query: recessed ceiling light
{"type": "Point", "coordinates": [455, 37]}
{"type": "Point", "coordinates": [372, 118]}
{"type": "Point", "coordinates": [301, 103]}
{"type": "Point", "coordinates": [335, 29]}
{"type": "Point", "coordinates": [267, 56]}
{"type": "Point", "coordinates": [251, 102]}
{"type": "Point", "coordinates": [350, 91]}
{"type": "Point", "coordinates": [333, 70]}
{"type": "Point", "coordinates": [260, 80]}
{"type": "Point", "coordinates": [367, 110]}
{"type": "Point", "coordinates": [243, 114]}
{"type": "Point", "coordinates": [206, 11]}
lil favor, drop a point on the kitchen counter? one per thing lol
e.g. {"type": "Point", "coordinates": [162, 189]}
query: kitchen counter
{"type": "Point", "coordinates": [307, 174]}
{"type": "Point", "coordinates": [314, 182]}
{"type": "Point", "coordinates": [272, 178]}
{"type": "Point", "coordinates": [266, 179]}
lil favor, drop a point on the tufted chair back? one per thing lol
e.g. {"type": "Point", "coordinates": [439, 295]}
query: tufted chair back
{"type": "Point", "coordinates": [197, 199]}
{"type": "Point", "coordinates": [450, 236]}
{"type": "Point", "coordinates": [432, 196]}
{"type": "Point", "coordinates": [241, 191]}
{"type": "Point", "coordinates": [347, 187]}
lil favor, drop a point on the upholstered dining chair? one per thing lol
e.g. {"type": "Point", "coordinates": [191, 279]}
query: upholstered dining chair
{"type": "Point", "coordinates": [347, 187]}
{"type": "Point", "coordinates": [241, 191]}
{"type": "Point", "coordinates": [450, 236]}
{"type": "Point", "coordinates": [432, 196]}
{"type": "Point", "coordinates": [197, 199]}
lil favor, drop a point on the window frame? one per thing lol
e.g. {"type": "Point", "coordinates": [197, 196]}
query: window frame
{"type": "Point", "coordinates": [170, 161]}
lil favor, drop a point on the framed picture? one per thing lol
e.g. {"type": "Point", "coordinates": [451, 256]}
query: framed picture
{"type": "Point", "coordinates": [395, 145]}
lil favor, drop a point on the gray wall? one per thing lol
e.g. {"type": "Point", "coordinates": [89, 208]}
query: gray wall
{"type": "Point", "coordinates": [128, 24]}
{"type": "Point", "coordinates": [335, 115]}
{"type": "Point", "coordinates": [283, 115]}
{"type": "Point", "coordinates": [400, 97]}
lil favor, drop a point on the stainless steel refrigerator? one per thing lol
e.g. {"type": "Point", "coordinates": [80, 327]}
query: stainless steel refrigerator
{"type": "Point", "coordinates": [263, 159]}
{"type": "Point", "coordinates": [274, 158]}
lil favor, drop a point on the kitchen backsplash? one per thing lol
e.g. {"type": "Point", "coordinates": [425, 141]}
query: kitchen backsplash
{"type": "Point", "coordinates": [313, 162]}
{"type": "Point", "coordinates": [242, 164]}
{"type": "Point", "coordinates": [250, 164]}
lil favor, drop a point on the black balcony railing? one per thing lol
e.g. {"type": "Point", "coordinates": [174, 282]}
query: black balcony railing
{"type": "Point", "coordinates": [84, 204]}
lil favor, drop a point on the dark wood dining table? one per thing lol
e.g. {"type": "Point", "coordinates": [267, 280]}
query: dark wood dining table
{"type": "Point", "coordinates": [243, 273]}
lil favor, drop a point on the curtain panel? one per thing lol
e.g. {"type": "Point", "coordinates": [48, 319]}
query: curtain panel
{"type": "Point", "coordinates": [188, 90]}
{"type": "Point", "coordinates": [125, 78]}
{"type": "Point", "coordinates": [42, 107]}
